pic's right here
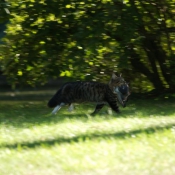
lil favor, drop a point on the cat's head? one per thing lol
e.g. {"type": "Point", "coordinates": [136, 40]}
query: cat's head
{"type": "Point", "coordinates": [116, 81]}
{"type": "Point", "coordinates": [119, 86]}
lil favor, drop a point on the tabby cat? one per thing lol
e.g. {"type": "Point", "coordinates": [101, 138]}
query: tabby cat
{"type": "Point", "coordinates": [117, 90]}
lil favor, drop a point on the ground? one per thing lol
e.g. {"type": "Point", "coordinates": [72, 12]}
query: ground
{"type": "Point", "coordinates": [139, 140]}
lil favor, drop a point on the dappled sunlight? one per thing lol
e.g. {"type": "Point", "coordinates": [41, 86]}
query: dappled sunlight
{"type": "Point", "coordinates": [80, 131]}
{"type": "Point", "coordinates": [91, 153]}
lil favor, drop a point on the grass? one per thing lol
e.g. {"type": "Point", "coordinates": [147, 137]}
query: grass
{"type": "Point", "coordinates": [138, 141]}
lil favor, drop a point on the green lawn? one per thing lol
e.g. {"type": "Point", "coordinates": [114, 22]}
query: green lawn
{"type": "Point", "coordinates": [139, 141]}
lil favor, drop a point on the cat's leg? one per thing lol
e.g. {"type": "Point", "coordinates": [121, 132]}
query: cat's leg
{"type": "Point", "coordinates": [114, 106]}
{"type": "Point", "coordinates": [57, 108]}
{"type": "Point", "coordinates": [97, 108]}
{"type": "Point", "coordinates": [71, 107]}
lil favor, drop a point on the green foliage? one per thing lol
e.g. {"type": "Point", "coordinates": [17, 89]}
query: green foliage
{"type": "Point", "coordinates": [89, 39]}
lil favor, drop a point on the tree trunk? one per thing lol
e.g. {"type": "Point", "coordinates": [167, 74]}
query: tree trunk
{"type": "Point", "coordinates": [140, 67]}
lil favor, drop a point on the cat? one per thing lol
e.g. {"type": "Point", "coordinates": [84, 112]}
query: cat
{"type": "Point", "coordinates": [117, 90]}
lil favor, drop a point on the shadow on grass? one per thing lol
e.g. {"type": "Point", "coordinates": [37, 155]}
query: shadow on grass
{"type": "Point", "coordinates": [25, 108]}
{"type": "Point", "coordinates": [90, 136]}
{"type": "Point", "coordinates": [26, 114]}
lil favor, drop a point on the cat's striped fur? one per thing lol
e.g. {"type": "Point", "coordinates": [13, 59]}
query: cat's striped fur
{"type": "Point", "coordinates": [76, 92]}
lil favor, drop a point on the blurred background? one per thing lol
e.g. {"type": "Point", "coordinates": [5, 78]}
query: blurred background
{"type": "Point", "coordinates": [45, 42]}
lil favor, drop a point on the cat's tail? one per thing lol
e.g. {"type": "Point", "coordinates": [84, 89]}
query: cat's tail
{"type": "Point", "coordinates": [53, 102]}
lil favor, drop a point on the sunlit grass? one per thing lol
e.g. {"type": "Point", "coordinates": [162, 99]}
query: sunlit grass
{"type": "Point", "coordinates": [138, 141]}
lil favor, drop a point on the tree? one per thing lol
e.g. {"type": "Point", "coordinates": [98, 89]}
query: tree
{"type": "Point", "coordinates": [64, 38]}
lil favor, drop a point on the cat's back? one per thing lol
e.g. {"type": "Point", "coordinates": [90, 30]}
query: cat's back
{"type": "Point", "coordinates": [85, 90]}
{"type": "Point", "coordinates": [85, 85]}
